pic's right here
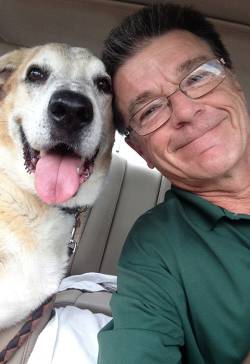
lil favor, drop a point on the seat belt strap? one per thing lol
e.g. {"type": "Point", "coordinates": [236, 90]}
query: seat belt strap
{"type": "Point", "coordinates": [33, 325]}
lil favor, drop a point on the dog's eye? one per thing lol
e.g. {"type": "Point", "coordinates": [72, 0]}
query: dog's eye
{"type": "Point", "coordinates": [104, 84]}
{"type": "Point", "coordinates": [36, 74]}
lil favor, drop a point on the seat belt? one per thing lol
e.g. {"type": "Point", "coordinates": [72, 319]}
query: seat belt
{"type": "Point", "coordinates": [17, 342]}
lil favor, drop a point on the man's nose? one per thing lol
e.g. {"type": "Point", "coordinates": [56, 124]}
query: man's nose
{"type": "Point", "coordinates": [184, 109]}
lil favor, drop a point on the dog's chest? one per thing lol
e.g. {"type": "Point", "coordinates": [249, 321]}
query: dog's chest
{"type": "Point", "coordinates": [33, 258]}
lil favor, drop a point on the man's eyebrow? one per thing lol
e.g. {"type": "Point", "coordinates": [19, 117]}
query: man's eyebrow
{"type": "Point", "coordinates": [139, 101]}
{"type": "Point", "coordinates": [190, 64]}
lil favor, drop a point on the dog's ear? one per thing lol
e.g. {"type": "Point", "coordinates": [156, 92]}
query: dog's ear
{"type": "Point", "coordinates": [9, 62]}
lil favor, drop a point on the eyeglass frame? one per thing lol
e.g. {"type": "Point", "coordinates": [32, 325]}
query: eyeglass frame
{"type": "Point", "coordinates": [129, 129]}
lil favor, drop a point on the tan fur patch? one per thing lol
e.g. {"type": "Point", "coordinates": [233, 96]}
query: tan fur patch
{"type": "Point", "coordinates": [5, 108]}
{"type": "Point", "coordinates": [8, 88]}
{"type": "Point", "coordinates": [20, 211]}
{"type": "Point", "coordinates": [4, 136]}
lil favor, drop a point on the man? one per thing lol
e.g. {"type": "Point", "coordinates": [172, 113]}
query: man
{"type": "Point", "coordinates": [184, 274]}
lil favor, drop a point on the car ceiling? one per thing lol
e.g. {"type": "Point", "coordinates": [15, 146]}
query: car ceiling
{"type": "Point", "coordinates": [234, 11]}
{"type": "Point", "coordinates": [87, 23]}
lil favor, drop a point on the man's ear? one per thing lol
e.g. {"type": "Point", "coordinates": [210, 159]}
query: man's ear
{"type": "Point", "coordinates": [134, 144]}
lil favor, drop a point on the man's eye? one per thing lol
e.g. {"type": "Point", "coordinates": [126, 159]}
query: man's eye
{"type": "Point", "coordinates": [149, 112]}
{"type": "Point", "coordinates": [198, 78]}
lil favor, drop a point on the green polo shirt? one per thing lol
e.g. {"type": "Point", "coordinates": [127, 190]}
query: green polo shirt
{"type": "Point", "coordinates": [183, 287]}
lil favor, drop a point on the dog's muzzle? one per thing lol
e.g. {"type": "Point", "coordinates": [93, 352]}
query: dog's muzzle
{"type": "Point", "coordinates": [69, 111]}
{"type": "Point", "coordinates": [59, 168]}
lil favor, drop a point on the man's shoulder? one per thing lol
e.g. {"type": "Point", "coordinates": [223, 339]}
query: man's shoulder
{"type": "Point", "coordinates": [156, 239]}
{"type": "Point", "coordinates": [167, 212]}
{"type": "Point", "coordinates": [157, 226]}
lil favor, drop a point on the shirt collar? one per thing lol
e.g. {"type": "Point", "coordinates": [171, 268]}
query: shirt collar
{"type": "Point", "coordinates": [205, 213]}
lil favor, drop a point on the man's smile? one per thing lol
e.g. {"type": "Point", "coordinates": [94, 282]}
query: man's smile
{"type": "Point", "coordinates": [194, 139]}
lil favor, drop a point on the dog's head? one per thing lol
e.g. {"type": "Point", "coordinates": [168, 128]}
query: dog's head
{"type": "Point", "coordinates": [56, 131]}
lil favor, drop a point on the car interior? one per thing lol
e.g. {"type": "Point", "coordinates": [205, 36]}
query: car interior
{"type": "Point", "coordinates": [131, 188]}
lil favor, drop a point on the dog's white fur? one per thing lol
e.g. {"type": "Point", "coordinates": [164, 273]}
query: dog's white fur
{"type": "Point", "coordinates": [34, 235]}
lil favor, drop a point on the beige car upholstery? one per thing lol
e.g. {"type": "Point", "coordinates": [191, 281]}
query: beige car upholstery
{"type": "Point", "coordinates": [87, 23]}
{"type": "Point", "coordinates": [131, 187]}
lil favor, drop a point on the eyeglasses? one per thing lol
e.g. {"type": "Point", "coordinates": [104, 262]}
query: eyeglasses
{"type": "Point", "coordinates": [196, 84]}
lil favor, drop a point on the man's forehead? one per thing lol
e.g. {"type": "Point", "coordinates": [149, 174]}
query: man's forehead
{"type": "Point", "coordinates": [176, 51]}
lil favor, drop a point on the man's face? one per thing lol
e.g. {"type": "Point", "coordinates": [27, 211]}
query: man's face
{"type": "Point", "coordinates": [204, 139]}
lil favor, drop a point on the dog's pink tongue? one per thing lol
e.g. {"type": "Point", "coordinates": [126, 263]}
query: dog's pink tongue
{"type": "Point", "coordinates": [56, 177]}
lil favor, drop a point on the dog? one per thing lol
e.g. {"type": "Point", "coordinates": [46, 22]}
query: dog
{"type": "Point", "coordinates": [56, 137]}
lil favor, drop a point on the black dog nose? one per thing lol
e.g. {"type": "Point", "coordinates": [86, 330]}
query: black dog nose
{"type": "Point", "coordinates": [70, 110]}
